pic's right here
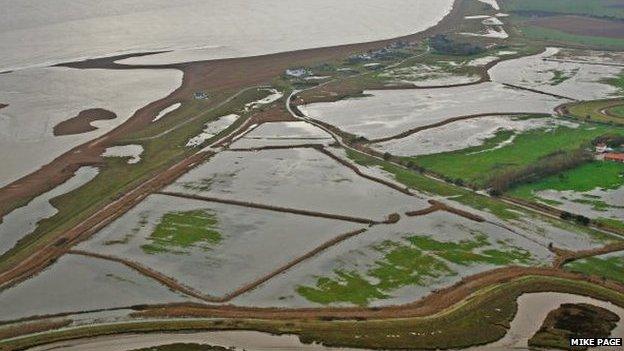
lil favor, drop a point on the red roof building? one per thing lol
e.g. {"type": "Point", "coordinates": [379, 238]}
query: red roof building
{"type": "Point", "coordinates": [617, 157]}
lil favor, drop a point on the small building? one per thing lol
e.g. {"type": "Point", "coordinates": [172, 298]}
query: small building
{"type": "Point", "coordinates": [200, 95]}
{"type": "Point", "coordinates": [614, 156]}
{"type": "Point", "coordinates": [297, 72]}
{"type": "Point", "coordinates": [602, 148]}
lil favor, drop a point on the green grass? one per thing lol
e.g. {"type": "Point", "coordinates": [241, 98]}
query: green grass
{"type": "Point", "coordinates": [617, 82]}
{"type": "Point", "coordinates": [558, 37]}
{"type": "Point", "coordinates": [604, 267]}
{"type": "Point", "coordinates": [617, 111]}
{"type": "Point", "coordinates": [562, 76]}
{"type": "Point", "coordinates": [591, 110]}
{"type": "Point", "coordinates": [596, 174]}
{"type": "Point", "coordinates": [594, 8]}
{"type": "Point", "coordinates": [477, 168]}
{"type": "Point", "coordinates": [480, 319]}
{"type": "Point", "coordinates": [425, 184]}
{"type": "Point", "coordinates": [416, 261]}
{"type": "Point", "coordinates": [179, 231]}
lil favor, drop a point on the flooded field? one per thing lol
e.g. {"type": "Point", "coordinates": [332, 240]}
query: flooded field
{"type": "Point", "coordinates": [283, 133]}
{"type": "Point", "coordinates": [76, 283]}
{"type": "Point", "coordinates": [424, 75]}
{"type": "Point", "coordinates": [131, 152]}
{"type": "Point", "coordinates": [213, 248]}
{"type": "Point", "coordinates": [211, 129]}
{"type": "Point", "coordinates": [398, 263]}
{"type": "Point", "coordinates": [594, 204]}
{"type": "Point", "coordinates": [462, 134]}
{"type": "Point", "coordinates": [582, 81]}
{"type": "Point", "coordinates": [295, 178]}
{"type": "Point", "coordinates": [387, 113]}
{"type": "Point", "coordinates": [39, 99]}
{"type": "Point", "coordinates": [23, 221]}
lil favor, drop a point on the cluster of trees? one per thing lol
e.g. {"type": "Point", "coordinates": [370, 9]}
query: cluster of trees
{"type": "Point", "coordinates": [551, 164]}
{"type": "Point", "coordinates": [611, 140]}
{"type": "Point", "coordinates": [577, 218]}
{"type": "Point", "coordinates": [445, 45]}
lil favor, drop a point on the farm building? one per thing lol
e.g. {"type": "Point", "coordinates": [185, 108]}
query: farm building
{"type": "Point", "coordinates": [617, 157]}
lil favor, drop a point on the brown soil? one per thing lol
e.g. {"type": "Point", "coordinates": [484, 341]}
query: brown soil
{"type": "Point", "coordinates": [3, 106]}
{"type": "Point", "coordinates": [82, 123]}
{"type": "Point", "coordinates": [580, 25]}
{"type": "Point", "coordinates": [566, 256]}
{"type": "Point", "coordinates": [31, 328]}
{"type": "Point", "coordinates": [538, 91]}
{"type": "Point", "coordinates": [274, 208]}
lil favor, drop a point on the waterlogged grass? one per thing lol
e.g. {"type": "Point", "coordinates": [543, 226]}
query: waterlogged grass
{"type": "Point", "coordinates": [466, 252]}
{"type": "Point", "coordinates": [478, 320]}
{"type": "Point", "coordinates": [562, 76]}
{"type": "Point", "coordinates": [617, 82]}
{"type": "Point", "coordinates": [476, 166]}
{"type": "Point", "coordinates": [133, 232]}
{"type": "Point", "coordinates": [177, 232]}
{"type": "Point", "coordinates": [592, 111]}
{"type": "Point", "coordinates": [416, 261]}
{"type": "Point", "coordinates": [617, 111]}
{"type": "Point", "coordinates": [605, 267]}
{"type": "Point", "coordinates": [587, 177]}
{"type": "Point", "coordinates": [425, 184]}
{"type": "Point", "coordinates": [199, 186]}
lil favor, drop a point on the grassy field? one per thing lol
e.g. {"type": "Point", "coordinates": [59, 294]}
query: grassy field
{"type": "Point", "coordinates": [594, 8]}
{"type": "Point", "coordinates": [416, 261]}
{"type": "Point", "coordinates": [481, 319]}
{"type": "Point", "coordinates": [500, 209]}
{"type": "Point", "coordinates": [617, 111]}
{"type": "Point", "coordinates": [476, 165]}
{"type": "Point", "coordinates": [422, 183]}
{"type": "Point", "coordinates": [179, 231]}
{"type": "Point", "coordinates": [557, 37]}
{"type": "Point", "coordinates": [592, 110]}
{"type": "Point", "coordinates": [597, 174]}
{"type": "Point", "coordinates": [607, 267]}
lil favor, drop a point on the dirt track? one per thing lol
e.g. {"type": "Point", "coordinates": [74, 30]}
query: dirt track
{"type": "Point", "coordinates": [273, 208]}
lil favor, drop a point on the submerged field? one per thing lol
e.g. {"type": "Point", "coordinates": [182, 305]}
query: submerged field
{"type": "Point", "coordinates": [342, 195]}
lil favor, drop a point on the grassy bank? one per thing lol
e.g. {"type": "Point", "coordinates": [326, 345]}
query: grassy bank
{"type": "Point", "coordinates": [481, 319]}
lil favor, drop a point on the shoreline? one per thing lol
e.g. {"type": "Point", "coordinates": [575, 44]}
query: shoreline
{"type": "Point", "coordinates": [218, 74]}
